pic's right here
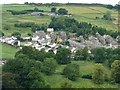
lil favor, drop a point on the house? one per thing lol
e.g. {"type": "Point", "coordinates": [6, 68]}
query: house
{"type": "Point", "coordinates": [26, 43]}
{"type": "Point", "coordinates": [52, 45]}
{"type": "Point", "coordinates": [81, 39]}
{"type": "Point", "coordinates": [53, 37]}
{"type": "Point", "coordinates": [100, 38]}
{"type": "Point", "coordinates": [26, 38]}
{"type": "Point", "coordinates": [38, 35]}
{"type": "Point", "coordinates": [108, 39]}
{"type": "Point", "coordinates": [63, 36]}
{"type": "Point", "coordinates": [35, 38]}
{"type": "Point", "coordinates": [14, 38]}
{"type": "Point", "coordinates": [76, 44]}
{"type": "Point", "coordinates": [49, 30]}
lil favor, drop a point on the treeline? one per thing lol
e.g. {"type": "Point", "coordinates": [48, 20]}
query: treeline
{"type": "Point", "coordinates": [34, 27]}
{"type": "Point", "coordinates": [82, 28]}
{"type": "Point", "coordinates": [13, 12]}
{"type": "Point", "coordinates": [85, 4]}
{"type": "Point", "coordinates": [117, 7]}
{"type": "Point", "coordinates": [30, 66]}
{"type": "Point", "coordinates": [43, 4]}
{"type": "Point", "coordinates": [98, 55]}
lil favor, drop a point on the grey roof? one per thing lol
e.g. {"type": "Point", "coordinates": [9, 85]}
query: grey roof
{"type": "Point", "coordinates": [40, 34]}
{"type": "Point", "coordinates": [76, 44]}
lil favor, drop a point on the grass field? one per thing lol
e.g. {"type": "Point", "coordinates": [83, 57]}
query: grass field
{"type": "Point", "coordinates": [7, 51]}
{"type": "Point", "coordinates": [81, 13]}
{"type": "Point", "coordinates": [85, 68]}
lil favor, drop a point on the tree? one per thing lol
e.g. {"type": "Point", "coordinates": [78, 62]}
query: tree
{"type": "Point", "coordinates": [8, 80]}
{"type": "Point", "coordinates": [53, 9]}
{"type": "Point", "coordinates": [1, 34]}
{"type": "Point", "coordinates": [82, 54]}
{"type": "Point", "coordinates": [63, 56]}
{"type": "Point", "coordinates": [49, 66]}
{"type": "Point", "coordinates": [110, 6]}
{"type": "Point", "coordinates": [16, 34]}
{"type": "Point", "coordinates": [98, 75]}
{"type": "Point", "coordinates": [107, 16]}
{"type": "Point", "coordinates": [71, 71]}
{"type": "Point", "coordinates": [26, 3]}
{"type": "Point", "coordinates": [99, 55]}
{"type": "Point", "coordinates": [36, 9]}
{"type": "Point", "coordinates": [62, 11]}
{"type": "Point", "coordinates": [35, 79]}
{"type": "Point", "coordinates": [116, 71]}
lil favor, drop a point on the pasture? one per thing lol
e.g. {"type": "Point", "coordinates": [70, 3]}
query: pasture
{"type": "Point", "coordinates": [57, 79]}
{"type": "Point", "coordinates": [7, 51]}
{"type": "Point", "coordinates": [81, 13]}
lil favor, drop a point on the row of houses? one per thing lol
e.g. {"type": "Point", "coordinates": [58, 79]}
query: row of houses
{"type": "Point", "coordinates": [52, 40]}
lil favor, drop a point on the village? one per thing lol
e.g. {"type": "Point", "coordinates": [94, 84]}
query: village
{"type": "Point", "coordinates": [52, 40]}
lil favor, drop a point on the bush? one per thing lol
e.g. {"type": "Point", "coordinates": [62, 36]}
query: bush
{"type": "Point", "coordinates": [87, 76]}
{"type": "Point", "coordinates": [49, 66]}
{"type": "Point", "coordinates": [71, 71]}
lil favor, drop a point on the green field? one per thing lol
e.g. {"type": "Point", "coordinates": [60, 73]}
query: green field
{"type": "Point", "coordinates": [7, 51]}
{"type": "Point", "coordinates": [81, 13]}
{"type": "Point", "coordinates": [57, 79]}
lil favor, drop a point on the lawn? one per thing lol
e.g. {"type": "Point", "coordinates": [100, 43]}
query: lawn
{"type": "Point", "coordinates": [7, 51]}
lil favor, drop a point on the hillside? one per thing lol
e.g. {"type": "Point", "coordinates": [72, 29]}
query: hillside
{"type": "Point", "coordinates": [80, 13]}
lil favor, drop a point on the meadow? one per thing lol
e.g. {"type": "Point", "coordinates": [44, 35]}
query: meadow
{"type": "Point", "coordinates": [7, 51]}
{"type": "Point", "coordinates": [57, 79]}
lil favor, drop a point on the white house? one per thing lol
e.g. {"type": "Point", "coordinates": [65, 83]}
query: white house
{"type": "Point", "coordinates": [50, 30]}
{"type": "Point", "coordinates": [35, 38]}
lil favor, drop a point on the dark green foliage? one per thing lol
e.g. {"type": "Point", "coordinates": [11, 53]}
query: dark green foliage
{"type": "Point", "coordinates": [8, 81]}
{"type": "Point", "coordinates": [53, 9]}
{"type": "Point", "coordinates": [99, 55]}
{"type": "Point", "coordinates": [22, 67]}
{"type": "Point", "coordinates": [71, 71]}
{"type": "Point", "coordinates": [110, 6]}
{"type": "Point", "coordinates": [16, 34]}
{"type": "Point", "coordinates": [1, 34]}
{"type": "Point", "coordinates": [87, 76]}
{"type": "Point", "coordinates": [62, 11]}
{"type": "Point", "coordinates": [107, 16]}
{"type": "Point", "coordinates": [63, 56]}
{"type": "Point", "coordinates": [35, 80]}
{"type": "Point", "coordinates": [83, 28]}
{"type": "Point", "coordinates": [62, 23]}
{"type": "Point", "coordinates": [24, 25]}
{"type": "Point", "coordinates": [49, 66]}
{"type": "Point", "coordinates": [116, 71]}
{"type": "Point", "coordinates": [36, 9]}
{"type": "Point", "coordinates": [98, 75]}
{"type": "Point", "coordinates": [82, 54]}
{"type": "Point", "coordinates": [13, 12]}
